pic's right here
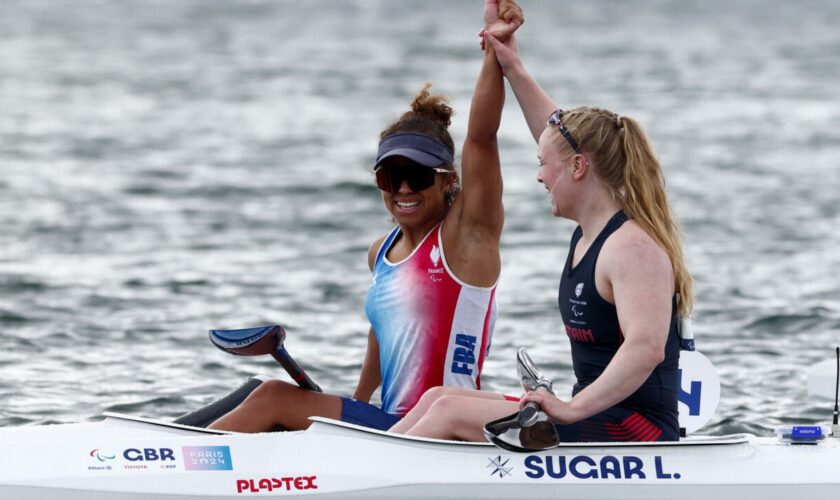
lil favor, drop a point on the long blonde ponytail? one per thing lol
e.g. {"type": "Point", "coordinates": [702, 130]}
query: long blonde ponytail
{"type": "Point", "coordinates": [646, 203]}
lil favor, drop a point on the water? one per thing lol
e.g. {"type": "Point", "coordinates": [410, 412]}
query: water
{"type": "Point", "coordinates": [174, 166]}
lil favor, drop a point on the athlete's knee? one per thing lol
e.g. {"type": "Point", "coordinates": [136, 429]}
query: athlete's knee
{"type": "Point", "coordinates": [271, 390]}
{"type": "Point", "coordinates": [451, 411]}
{"type": "Point", "coordinates": [447, 406]}
{"type": "Point", "coordinates": [433, 394]}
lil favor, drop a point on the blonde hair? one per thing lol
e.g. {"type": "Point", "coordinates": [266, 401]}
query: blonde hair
{"type": "Point", "coordinates": [623, 159]}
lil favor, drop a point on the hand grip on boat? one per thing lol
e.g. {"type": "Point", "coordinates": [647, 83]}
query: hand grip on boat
{"type": "Point", "coordinates": [529, 375]}
{"type": "Point", "coordinates": [532, 379]}
{"type": "Point", "coordinates": [529, 429]}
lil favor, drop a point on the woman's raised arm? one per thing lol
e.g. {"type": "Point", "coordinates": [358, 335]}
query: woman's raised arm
{"type": "Point", "coordinates": [536, 105]}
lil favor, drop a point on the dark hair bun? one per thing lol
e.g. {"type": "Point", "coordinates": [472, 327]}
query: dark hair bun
{"type": "Point", "coordinates": [435, 106]}
{"type": "Point", "coordinates": [430, 115]}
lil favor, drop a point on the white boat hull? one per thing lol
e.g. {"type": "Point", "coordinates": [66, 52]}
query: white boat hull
{"type": "Point", "coordinates": [127, 458]}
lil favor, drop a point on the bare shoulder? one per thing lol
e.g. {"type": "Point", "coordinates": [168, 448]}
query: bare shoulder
{"type": "Point", "coordinates": [374, 249]}
{"type": "Point", "coordinates": [631, 251]}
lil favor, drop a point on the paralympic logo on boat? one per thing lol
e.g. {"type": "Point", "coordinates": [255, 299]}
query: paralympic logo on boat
{"type": "Point", "coordinates": [102, 457]}
{"type": "Point", "coordinates": [135, 458]}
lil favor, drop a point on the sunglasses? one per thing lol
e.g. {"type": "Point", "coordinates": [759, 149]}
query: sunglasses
{"type": "Point", "coordinates": [556, 120]}
{"type": "Point", "coordinates": [390, 177]}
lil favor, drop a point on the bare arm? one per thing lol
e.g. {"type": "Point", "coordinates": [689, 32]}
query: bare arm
{"type": "Point", "coordinates": [482, 174]}
{"type": "Point", "coordinates": [474, 224]}
{"type": "Point", "coordinates": [536, 105]}
{"type": "Point", "coordinates": [642, 285]}
{"type": "Point", "coordinates": [370, 376]}
{"type": "Point", "coordinates": [481, 171]}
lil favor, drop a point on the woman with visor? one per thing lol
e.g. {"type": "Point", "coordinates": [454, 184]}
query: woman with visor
{"type": "Point", "coordinates": [618, 287]}
{"type": "Point", "coordinates": [431, 299]}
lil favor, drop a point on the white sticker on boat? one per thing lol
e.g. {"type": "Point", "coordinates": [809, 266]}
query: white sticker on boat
{"type": "Point", "coordinates": [821, 379]}
{"type": "Point", "coordinates": [699, 390]}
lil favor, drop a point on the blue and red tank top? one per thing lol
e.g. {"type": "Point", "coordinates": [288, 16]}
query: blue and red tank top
{"type": "Point", "coordinates": [592, 326]}
{"type": "Point", "coordinates": [432, 328]}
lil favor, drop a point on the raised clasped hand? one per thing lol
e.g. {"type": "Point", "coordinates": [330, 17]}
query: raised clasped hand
{"type": "Point", "coordinates": [501, 19]}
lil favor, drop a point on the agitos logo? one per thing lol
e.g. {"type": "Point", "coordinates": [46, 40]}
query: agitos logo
{"type": "Point", "coordinates": [274, 484]}
{"type": "Point", "coordinates": [101, 456]}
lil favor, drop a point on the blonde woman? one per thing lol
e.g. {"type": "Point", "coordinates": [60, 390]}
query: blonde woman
{"type": "Point", "coordinates": [618, 286]}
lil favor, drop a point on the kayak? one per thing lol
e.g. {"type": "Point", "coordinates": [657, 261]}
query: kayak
{"type": "Point", "coordinates": [131, 457]}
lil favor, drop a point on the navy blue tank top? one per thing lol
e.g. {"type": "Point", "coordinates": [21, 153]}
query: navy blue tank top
{"type": "Point", "coordinates": [592, 327]}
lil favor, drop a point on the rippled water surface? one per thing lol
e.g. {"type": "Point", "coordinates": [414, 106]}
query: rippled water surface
{"type": "Point", "coordinates": [174, 166]}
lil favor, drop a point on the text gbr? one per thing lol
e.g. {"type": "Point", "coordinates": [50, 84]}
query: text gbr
{"type": "Point", "coordinates": [148, 454]}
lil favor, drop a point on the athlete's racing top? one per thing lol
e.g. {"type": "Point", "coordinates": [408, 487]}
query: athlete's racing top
{"type": "Point", "coordinates": [432, 328]}
{"type": "Point", "coordinates": [591, 324]}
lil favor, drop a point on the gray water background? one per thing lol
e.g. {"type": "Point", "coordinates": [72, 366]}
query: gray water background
{"type": "Point", "coordinates": [167, 167]}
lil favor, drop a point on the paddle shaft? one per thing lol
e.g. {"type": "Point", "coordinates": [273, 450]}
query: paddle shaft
{"type": "Point", "coordinates": [294, 369]}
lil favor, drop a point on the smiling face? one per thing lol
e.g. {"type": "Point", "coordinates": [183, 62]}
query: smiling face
{"type": "Point", "coordinates": [555, 173]}
{"type": "Point", "coordinates": [412, 208]}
